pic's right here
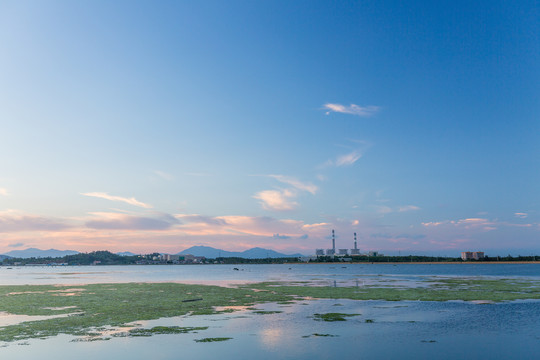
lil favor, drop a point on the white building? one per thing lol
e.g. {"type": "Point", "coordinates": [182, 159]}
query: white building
{"type": "Point", "coordinates": [472, 255]}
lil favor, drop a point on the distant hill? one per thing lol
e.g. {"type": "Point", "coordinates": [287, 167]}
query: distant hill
{"type": "Point", "coordinates": [37, 253]}
{"type": "Point", "coordinates": [255, 253]}
{"type": "Point", "coordinates": [2, 257]}
{"type": "Point", "coordinates": [260, 253]}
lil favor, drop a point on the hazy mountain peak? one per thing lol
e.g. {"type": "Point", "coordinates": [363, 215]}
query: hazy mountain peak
{"type": "Point", "coordinates": [38, 253]}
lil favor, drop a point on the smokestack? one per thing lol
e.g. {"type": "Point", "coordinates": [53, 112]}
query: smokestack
{"type": "Point", "coordinates": [355, 248]}
{"type": "Point", "coordinates": [333, 241]}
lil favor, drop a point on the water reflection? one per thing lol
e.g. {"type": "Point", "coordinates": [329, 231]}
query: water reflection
{"type": "Point", "coordinates": [272, 337]}
{"type": "Point", "coordinates": [405, 330]}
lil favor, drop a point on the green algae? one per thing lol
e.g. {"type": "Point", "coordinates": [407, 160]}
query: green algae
{"type": "Point", "coordinates": [160, 330]}
{"type": "Point", "coordinates": [319, 335]}
{"type": "Point", "coordinates": [113, 305]}
{"type": "Point", "coordinates": [215, 339]}
{"type": "Point", "coordinates": [445, 289]}
{"type": "Point", "coordinates": [267, 312]}
{"type": "Point", "coordinates": [332, 316]}
{"type": "Point", "coordinates": [90, 307]}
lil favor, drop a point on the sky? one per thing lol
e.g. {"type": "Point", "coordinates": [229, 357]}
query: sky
{"type": "Point", "coordinates": [154, 126]}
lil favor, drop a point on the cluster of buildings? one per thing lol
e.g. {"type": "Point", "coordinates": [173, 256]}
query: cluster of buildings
{"type": "Point", "coordinates": [466, 255]}
{"type": "Point", "coordinates": [343, 252]}
{"type": "Point", "coordinates": [472, 255]}
{"type": "Point", "coordinates": [176, 259]}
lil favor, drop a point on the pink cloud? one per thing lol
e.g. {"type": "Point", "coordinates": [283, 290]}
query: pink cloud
{"type": "Point", "coordinates": [12, 221]}
{"type": "Point", "coordinates": [277, 200]}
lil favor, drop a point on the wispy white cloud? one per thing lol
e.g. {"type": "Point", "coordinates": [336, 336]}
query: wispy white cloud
{"type": "Point", "coordinates": [163, 175]}
{"type": "Point", "coordinates": [352, 109]}
{"type": "Point", "coordinates": [469, 223]}
{"type": "Point", "coordinates": [277, 200]}
{"type": "Point", "coordinates": [521, 215]}
{"type": "Point", "coordinates": [476, 222]}
{"type": "Point", "coordinates": [197, 174]}
{"type": "Point", "coordinates": [398, 236]}
{"type": "Point", "coordinates": [130, 201]}
{"type": "Point", "coordinates": [344, 160]}
{"type": "Point", "coordinates": [304, 186]}
{"type": "Point", "coordinates": [284, 199]}
{"type": "Point", "coordinates": [434, 223]}
{"type": "Point", "coordinates": [408, 208]}
{"type": "Point", "coordinates": [383, 209]}
{"type": "Point", "coordinates": [3, 192]}
{"type": "Point", "coordinates": [316, 226]}
{"type": "Point", "coordinates": [348, 159]}
{"type": "Point", "coordinates": [355, 152]}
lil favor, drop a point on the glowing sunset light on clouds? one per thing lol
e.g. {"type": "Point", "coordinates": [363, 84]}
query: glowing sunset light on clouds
{"type": "Point", "coordinates": [225, 124]}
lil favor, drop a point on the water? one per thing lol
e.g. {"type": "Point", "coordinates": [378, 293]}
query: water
{"type": "Point", "coordinates": [226, 275]}
{"type": "Point", "coordinates": [404, 330]}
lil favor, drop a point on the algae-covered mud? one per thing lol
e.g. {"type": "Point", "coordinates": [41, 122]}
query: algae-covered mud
{"type": "Point", "coordinates": [428, 289]}
{"type": "Point", "coordinates": [103, 311]}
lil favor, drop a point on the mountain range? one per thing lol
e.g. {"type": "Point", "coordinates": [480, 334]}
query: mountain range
{"type": "Point", "coordinates": [206, 251]}
{"type": "Point", "coordinates": [254, 253]}
{"type": "Point", "coordinates": [38, 253]}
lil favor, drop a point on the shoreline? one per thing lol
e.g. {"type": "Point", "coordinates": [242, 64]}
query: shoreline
{"type": "Point", "coordinates": [342, 263]}
{"type": "Point", "coordinates": [450, 262]}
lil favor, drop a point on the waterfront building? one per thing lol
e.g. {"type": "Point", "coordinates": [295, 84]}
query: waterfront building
{"type": "Point", "coordinates": [472, 255]}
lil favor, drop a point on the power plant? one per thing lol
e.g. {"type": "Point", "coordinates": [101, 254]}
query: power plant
{"type": "Point", "coordinates": [340, 252]}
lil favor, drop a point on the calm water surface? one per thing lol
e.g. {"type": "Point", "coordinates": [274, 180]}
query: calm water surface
{"type": "Point", "coordinates": [226, 275]}
{"type": "Point", "coordinates": [404, 330]}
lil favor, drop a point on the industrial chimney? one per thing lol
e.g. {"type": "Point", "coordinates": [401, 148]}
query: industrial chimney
{"type": "Point", "coordinates": [355, 251]}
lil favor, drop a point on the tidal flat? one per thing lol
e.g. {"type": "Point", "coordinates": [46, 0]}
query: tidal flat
{"type": "Point", "coordinates": [94, 311]}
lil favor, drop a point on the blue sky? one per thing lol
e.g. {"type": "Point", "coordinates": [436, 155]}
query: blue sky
{"type": "Point", "coordinates": [155, 126]}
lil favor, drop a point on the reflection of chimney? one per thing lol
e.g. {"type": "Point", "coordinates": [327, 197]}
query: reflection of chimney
{"type": "Point", "coordinates": [333, 242]}
{"type": "Point", "coordinates": [355, 248]}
